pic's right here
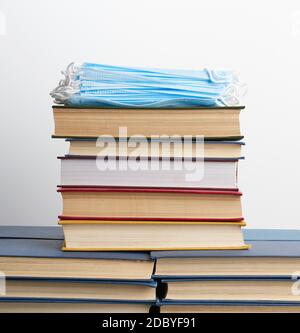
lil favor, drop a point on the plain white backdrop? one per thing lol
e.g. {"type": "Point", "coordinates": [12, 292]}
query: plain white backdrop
{"type": "Point", "coordinates": [259, 39]}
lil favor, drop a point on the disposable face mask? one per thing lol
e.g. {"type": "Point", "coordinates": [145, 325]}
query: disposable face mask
{"type": "Point", "coordinates": [103, 85]}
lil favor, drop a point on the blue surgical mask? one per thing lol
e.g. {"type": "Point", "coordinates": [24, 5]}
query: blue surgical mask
{"type": "Point", "coordinates": [104, 85]}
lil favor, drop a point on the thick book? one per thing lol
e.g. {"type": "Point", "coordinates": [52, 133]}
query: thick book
{"type": "Point", "coordinates": [92, 171]}
{"type": "Point", "coordinates": [231, 290]}
{"type": "Point", "coordinates": [212, 123]}
{"type": "Point", "coordinates": [261, 307]}
{"type": "Point", "coordinates": [84, 235]}
{"type": "Point", "coordinates": [78, 289]}
{"type": "Point", "coordinates": [63, 306]}
{"type": "Point", "coordinates": [56, 232]}
{"type": "Point", "coordinates": [152, 204]}
{"type": "Point", "coordinates": [273, 254]}
{"type": "Point", "coordinates": [42, 258]}
{"type": "Point", "coordinates": [31, 232]}
{"type": "Point", "coordinates": [285, 235]}
{"type": "Point", "coordinates": [155, 148]}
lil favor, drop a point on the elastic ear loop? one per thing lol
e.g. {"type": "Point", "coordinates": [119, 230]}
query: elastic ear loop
{"type": "Point", "coordinates": [232, 95]}
{"type": "Point", "coordinates": [68, 86]}
{"type": "Point", "coordinates": [214, 77]}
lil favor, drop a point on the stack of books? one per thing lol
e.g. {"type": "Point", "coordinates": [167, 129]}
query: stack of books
{"type": "Point", "coordinates": [160, 187]}
{"type": "Point", "coordinates": [141, 179]}
{"type": "Point", "coordinates": [36, 276]}
{"type": "Point", "coordinates": [263, 279]}
{"type": "Point", "coordinates": [39, 277]}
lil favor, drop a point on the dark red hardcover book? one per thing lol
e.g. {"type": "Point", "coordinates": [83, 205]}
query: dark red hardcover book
{"type": "Point", "coordinates": [149, 190]}
{"type": "Point", "coordinates": [162, 219]}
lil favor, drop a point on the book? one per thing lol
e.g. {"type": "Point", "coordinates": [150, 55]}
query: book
{"type": "Point", "coordinates": [273, 254]}
{"type": "Point", "coordinates": [119, 203]}
{"type": "Point", "coordinates": [78, 289]}
{"type": "Point", "coordinates": [56, 232]}
{"type": "Point", "coordinates": [38, 273]}
{"type": "Point", "coordinates": [89, 171]}
{"type": "Point", "coordinates": [232, 308]}
{"type": "Point", "coordinates": [231, 290]}
{"type": "Point", "coordinates": [84, 235]}
{"type": "Point", "coordinates": [156, 148]}
{"type": "Point", "coordinates": [212, 123]}
{"type": "Point", "coordinates": [286, 235]}
{"type": "Point", "coordinates": [58, 306]}
{"type": "Point", "coordinates": [42, 258]}
{"type": "Point", "coordinates": [31, 232]}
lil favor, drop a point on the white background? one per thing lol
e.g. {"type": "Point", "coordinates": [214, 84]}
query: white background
{"type": "Point", "coordinates": [259, 39]}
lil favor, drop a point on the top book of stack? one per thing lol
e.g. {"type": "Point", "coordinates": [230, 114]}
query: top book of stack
{"type": "Point", "coordinates": [213, 123]}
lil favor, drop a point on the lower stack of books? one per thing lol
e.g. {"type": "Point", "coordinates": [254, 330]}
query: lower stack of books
{"type": "Point", "coordinates": [263, 279]}
{"type": "Point", "coordinates": [39, 277]}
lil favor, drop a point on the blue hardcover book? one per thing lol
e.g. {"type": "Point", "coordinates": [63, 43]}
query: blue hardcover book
{"type": "Point", "coordinates": [30, 279]}
{"type": "Point", "coordinates": [32, 257]}
{"type": "Point", "coordinates": [74, 300]}
{"type": "Point", "coordinates": [273, 254]}
{"type": "Point", "coordinates": [31, 232]}
{"type": "Point", "coordinates": [107, 139]}
{"type": "Point", "coordinates": [258, 249]}
{"type": "Point", "coordinates": [264, 243]}
{"type": "Point", "coordinates": [271, 234]}
{"type": "Point", "coordinates": [58, 305]}
{"type": "Point", "coordinates": [167, 306]}
{"type": "Point", "coordinates": [51, 248]}
{"type": "Point", "coordinates": [224, 290]}
{"type": "Point", "coordinates": [38, 289]}
{"type": "Point", "coordinates": [213, 150]}
{"type": "Point", "coordinates": [227, 303]}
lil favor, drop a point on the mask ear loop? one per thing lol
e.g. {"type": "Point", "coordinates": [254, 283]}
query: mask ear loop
{"type": "Point", "coordinates": [68, 86]}
{"type": "Point", "coordinates": [235, 91]}
{"type": "Point", "coordinates": [215, 76]}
